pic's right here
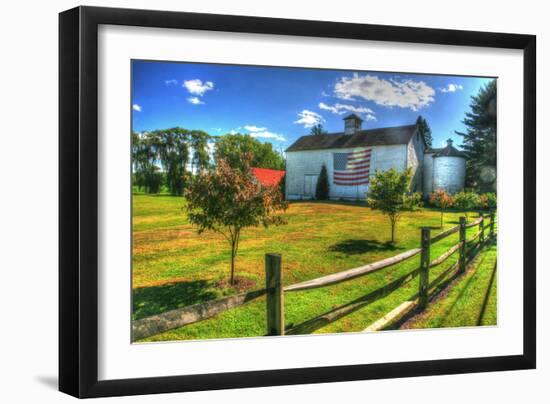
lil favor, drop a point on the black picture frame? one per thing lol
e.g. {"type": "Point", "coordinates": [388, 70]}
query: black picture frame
{"type": "Point", "coordinates": [78, 201]}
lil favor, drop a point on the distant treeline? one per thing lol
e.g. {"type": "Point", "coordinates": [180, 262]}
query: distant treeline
{"type": "Point", "coordinates": [168, 157]}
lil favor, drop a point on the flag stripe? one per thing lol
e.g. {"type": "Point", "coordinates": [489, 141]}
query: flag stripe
{"type": "Point", "coordinates": [355, 168]}
{"type": "Point", "coordinates": [353, 164]}
{"type": "Point", "coordinates": [345, 173]}
{"type": "Point", "coordinates": [359, 177]}
{"type": "Point", "coordinates": [357, 183]}
{"type": "Point", "coordinates": [358, 156]}
{"type": "Point", "coordinates": [352, 168]}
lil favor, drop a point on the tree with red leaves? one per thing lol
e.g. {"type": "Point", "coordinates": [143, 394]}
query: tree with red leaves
{"type": "Point", "coordinates": [229, 199]}
{"type": "Point", "coordinates": [442, 200]}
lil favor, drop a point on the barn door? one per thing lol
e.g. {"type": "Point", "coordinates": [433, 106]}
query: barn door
{"type": "Point", "coordinates": [310, 183]}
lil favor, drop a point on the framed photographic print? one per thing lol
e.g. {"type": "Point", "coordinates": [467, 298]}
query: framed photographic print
{"type": "Point", "coordinates": [251, 201]}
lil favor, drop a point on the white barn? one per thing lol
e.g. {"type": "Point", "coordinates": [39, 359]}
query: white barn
{"type": "Point", "coordinates": [353, 156]}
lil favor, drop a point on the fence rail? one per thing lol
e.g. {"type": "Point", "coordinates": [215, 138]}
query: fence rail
{"type": "Point", "coordinates": [274, 290]}
{"type": "Point", "coordinates": [444, 234]}
{"type": "Point", "coordinates": [443, 257]}
{"type": "Point", "coordinates": [473, 223]}
{"type": "Point", "coordinates": [352, 273]}
{"type": "Point", "coordinates": [191, 314]}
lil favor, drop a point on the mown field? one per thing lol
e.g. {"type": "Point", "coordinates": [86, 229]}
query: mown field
{"type": "Point", "coordinates": [174, 267]}
{"type": "Point", "coordinates": [470, 300]}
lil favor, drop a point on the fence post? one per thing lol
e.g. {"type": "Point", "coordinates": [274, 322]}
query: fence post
{"type": "Point", "coordinates": [481, 228]}
{"type": "Point", "coordinates": [424, 268]}
{"type": "Point", "coordinates": [274, 299]}
{"type": "Point", "coordinates": [462, 250]}
{"type": "Point", "coordinates": [492, 225]}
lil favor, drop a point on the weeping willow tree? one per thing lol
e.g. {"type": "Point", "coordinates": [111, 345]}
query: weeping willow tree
{"type": "Point", "coordinates": [173, 151]}
{"type": "Point", "coordinates": [200, 158]}
{"type": "Point", "coordinates": [147, 175]}
{"type": "Point", "coordinates": [168, 155]}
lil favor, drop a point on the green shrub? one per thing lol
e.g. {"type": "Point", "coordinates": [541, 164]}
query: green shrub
{"type": "Point", "coordinates": [413, 201]}
{"type": "Point", "coordinates": [466, 201]}
{"type": "Point", "coordinates": [488, 201]}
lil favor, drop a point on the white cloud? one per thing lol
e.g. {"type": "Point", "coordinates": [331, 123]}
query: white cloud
{"type": "Point", "coordinates": [326, 107]}
{"type": "Point", "coordinates": [325, 94]}
{"type": "Point", "coordinates": [136, 107]}
{"type": "Point", "coordinates": [262, 132]}
{"type": "Point", "coordinates": [309, 118]}
{"type": "Point", "coordinates": [370, 117]}
{"type": "Point", "coordinates": [252, 128]}
{"type": "Point", "coordinates": [195, 100]}
{"type": "Point", "coordinates": [390, 93]}
{"type": "Point", "coordinates": [171, 82]}
{"type": "Point", "coordinates": [451, 88]}
{"type": "Point", "coordinates": [341, 109]}
{"type": "Point", "coordinates": [197, 87]}
{"type": "Point", "coordinates": [268, 135]}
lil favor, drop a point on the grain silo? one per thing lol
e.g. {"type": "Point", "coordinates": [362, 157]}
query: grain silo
{"type": "Point", "coordinates": [444, 169]}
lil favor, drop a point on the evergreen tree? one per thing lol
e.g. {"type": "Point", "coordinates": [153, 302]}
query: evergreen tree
{"type": "Point", "coordinates": [424, 130]}
{"type": "Point", "coordinates": [322, 188]}
{"type": "Point", "coordinates": [480, 139]}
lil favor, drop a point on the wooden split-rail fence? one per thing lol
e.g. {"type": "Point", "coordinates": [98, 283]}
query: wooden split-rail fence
{"type": "Point", "coordinates": [275, 291]}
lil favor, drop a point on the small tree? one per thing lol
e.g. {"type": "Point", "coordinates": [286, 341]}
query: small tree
{"type": "Point", "coordinates": [388, 192]}
{"type": "Point", "coordinates": [317, 130]}
{"type": "Point", "coordinates": [466, 201]}
{"type": "Point", "coordinates": [229, 199]}
{"type": "Point", "coordinates": [322, 188]}
{"type": "Point", "coordinates": [441, 200]}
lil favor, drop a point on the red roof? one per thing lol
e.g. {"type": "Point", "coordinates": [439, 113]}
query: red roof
{"type": "Point", "coordinates": [268, 177]}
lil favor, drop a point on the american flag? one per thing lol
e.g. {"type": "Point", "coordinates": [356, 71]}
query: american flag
{"type": "Point", "coordinates": [352, 168]}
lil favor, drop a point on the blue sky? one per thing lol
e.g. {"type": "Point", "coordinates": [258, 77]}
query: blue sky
{"type": "Point", "coordinates": [278, 105]}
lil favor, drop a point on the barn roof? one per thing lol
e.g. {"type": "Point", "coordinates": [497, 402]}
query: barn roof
{"type": "Point", "coordinates": [352, 116]}
{"type": "Point", "coordinates": [268, 177]}
{"type": "Point", "coordinates": [372, 137]}
{"type": "Point", "coordinates": [447, 151]}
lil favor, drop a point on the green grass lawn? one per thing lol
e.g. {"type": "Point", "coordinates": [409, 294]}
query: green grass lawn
{"type": "Point", "coordinates": [174, 267]}
{"type": "Point", "coordinates": [468, 301]}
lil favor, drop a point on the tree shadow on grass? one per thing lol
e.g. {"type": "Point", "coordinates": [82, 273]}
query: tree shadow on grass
{"type": "Point", "coordinates": [433, 227]}
{"type": "Point", "coordinates": [487, 295]}
{"type": "Point", "coordinates": [354, 246]}
{"type": "Point", "coordinates": [157, 299]}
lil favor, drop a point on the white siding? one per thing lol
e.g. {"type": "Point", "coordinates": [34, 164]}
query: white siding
{"type": "Point", "coordinates": [428, 174]}
{"type": "Point", "coordinates": [415, 161]}
{"type": "Point", "coordinates": [449, 173]}
{"type": "Point", "coordinates": [300, 164]}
